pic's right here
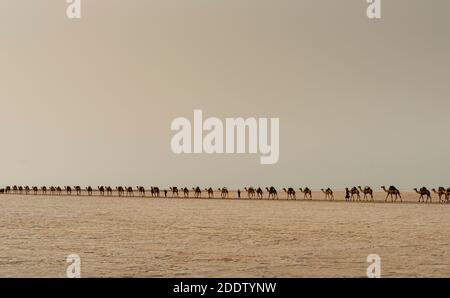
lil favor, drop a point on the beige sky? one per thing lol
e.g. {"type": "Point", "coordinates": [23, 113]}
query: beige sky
{"type": "Point", "coordinates": [91, 101]}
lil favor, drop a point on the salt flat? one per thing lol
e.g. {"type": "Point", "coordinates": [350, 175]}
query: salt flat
{"type": "Point", "coordinates": [145, 237]}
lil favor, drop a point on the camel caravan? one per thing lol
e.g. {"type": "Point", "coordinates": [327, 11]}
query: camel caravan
{"type": "Point", "coordinates": [352, 194]}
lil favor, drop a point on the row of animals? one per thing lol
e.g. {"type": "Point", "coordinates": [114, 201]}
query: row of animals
{"type": "Point", "coordinates": [353, 193]}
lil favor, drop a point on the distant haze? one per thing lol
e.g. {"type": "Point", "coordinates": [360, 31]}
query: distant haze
{"type": "Point", "coordinates": [91, 101]}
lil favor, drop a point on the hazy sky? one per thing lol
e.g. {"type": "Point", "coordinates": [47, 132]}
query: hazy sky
{"type": "Point", "coordinates": [91, 101]}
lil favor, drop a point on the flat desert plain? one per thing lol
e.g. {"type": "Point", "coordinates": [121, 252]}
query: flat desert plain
{"type": "Point", "coordinates": [168, 237]}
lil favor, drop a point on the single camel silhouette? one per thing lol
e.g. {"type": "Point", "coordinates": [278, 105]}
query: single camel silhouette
{"type": "Point", "coordinates": [306, 193]}
{"type": "Point", "coordinates": [130, 192]}
{"type": "Point", "coordinates": [367, 191]}
{"type": "Point", "coordinates": [272, 192]}
{"type": "Point", "coordinates": [185, 192]}
{"type": "Point", "coordinates": [155, 191]}
{"type": "Point", "coordinates": [223, 193]}
{"type": "Point", "coordinates": [354, 192]}
{"type": "Point", "coordinates": [120, 191]}
{"type": "Point", "coordinates": [109, 190]}
{"type": "Point", "coordinates": [290, 193]}
{"type": "Point", "coordinates": [197, 192]}
{"type": "Point", "coordinates": [391, 192]}
{"type": "Point", "coordinates": [174, 191]}
{"type": "Point", "coordinates": [250, 192]}
{"type": "Point", "coordinates": [441, 192]}
{"type": "Point", "coordinates": [101, 190]}
{"type": "Point", "coordinates": [68, 190]}
{"type": "Point", "coordinates": [89, 190]}
{"type": "Point", "coordinates": [328, 194]}
{"type": "Point", "coordinates": [259, 193]}
{"type": "Point", "coordinates": [78, 190]}
{"type": "Point", "coordinates": [210, 192]}
{"type": "Point", "coordinates": [424, 193]}
{"type": "Point", "coordinates": [141, 190]}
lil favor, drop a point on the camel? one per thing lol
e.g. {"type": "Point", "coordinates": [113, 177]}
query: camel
{"type": "Point", "coordinates": [68, 190]}
{"type": "Point", "coordinates": [223, 193]}
{"type": "Point", "coordinates": [259, 193]}
{"type": "Point", "coordinates": [15, 189]}
{"type": "Point", "coordinates": [185, 192]}
{"type": "Point", "coordinates": [392, 191]}
{"type": "Point", "coordinates": [35, 190]}
{"type": "Point", "coordinates": [78, 190]}
{"type": "Point", "coordinates": [441, 192]}
{"type": "Point", "coordinates": [197, 192]}
{"type": "Point", "coordinates": [306, 193]}
{"type": "Point", "coordinates": [355, 192]}
{"type": "Point", "coordinates": [89, 190]}
{"type": "Point", "coordinates": [120, 190]}
{"type": "Point", "coordinates": [328, 194]}
{"type": "Point", "coordinates": [141, 190]}
{"type": "Point", "coordinates": [210, 192]}
{"type": "Point", "coordinates": [44, 190]}
{"type": "Point", "coordinates": [250, 192]}
{"type": "Point", "coordinates": [367, 191]}
{"type": "Point", "coordinates": [424, 192]}
{"type": "Point", "coordinates": [8, 189]}
{"type": "Point", "coordinates": [101, 190]}
{"type": "Point", "coordinates": [109, 190]}
{"type": "Point", "coordinates": [152, 191]}
{"type": "Point", "coordinates": [155, 192]}
{"type": "Point", "coordinates": [272, 192]}
{"type": "Point", "coordinates": [58, 190]}
{"type": "Point", "coordinates": [129, 191]}
{"type": "Point", "coordinates": [27, 190]}
{"type": "Point", "coordinates": [174, 191]}
{"type": "Point", "coordinates": [20, 188]}
{"type": "Point", "coordinates": [290, 193]}
{"type": "Point", "coordinates": [2, 190]}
